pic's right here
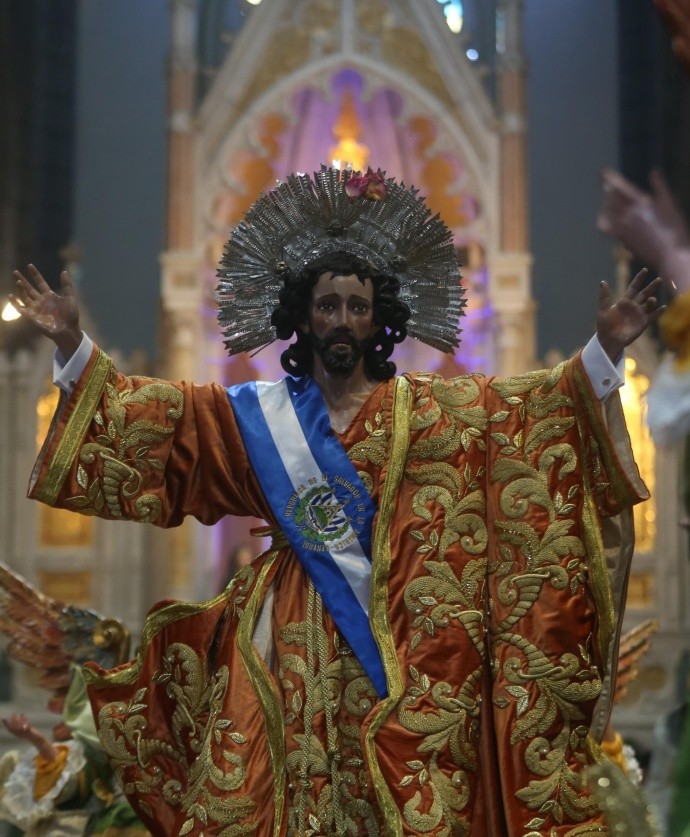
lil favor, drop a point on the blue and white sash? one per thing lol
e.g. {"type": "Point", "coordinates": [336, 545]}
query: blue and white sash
{"type": "Point", "coordinates": [318, 500]}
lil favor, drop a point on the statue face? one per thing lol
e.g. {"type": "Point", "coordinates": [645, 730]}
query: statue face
{"type": "Point", "coordinates": [341, 321]}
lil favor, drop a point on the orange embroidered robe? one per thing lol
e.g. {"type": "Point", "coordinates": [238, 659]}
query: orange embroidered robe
{"type": "Point", "coordinates": [492, 605]}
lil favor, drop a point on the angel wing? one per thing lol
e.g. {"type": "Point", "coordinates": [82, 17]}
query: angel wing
{"type": "Point", "coordinates": [633, 646]}
{"type": "Point", "coordinates": [49, 636]}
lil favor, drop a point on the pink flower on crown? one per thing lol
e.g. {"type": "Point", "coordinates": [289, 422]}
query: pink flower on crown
{"type": "Point", "coordinates": [371, 186]}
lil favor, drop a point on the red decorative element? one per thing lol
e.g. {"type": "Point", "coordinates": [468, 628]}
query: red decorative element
{"type": "Point", "coordinates": [371, 186]}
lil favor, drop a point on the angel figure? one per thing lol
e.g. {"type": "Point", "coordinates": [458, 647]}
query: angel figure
{"type": "Point", "coordinates": [63, 787]}
{"type": "Point", "coordinates": [627, 810]}
{"type": "Point", "coordinates": [633, 647]}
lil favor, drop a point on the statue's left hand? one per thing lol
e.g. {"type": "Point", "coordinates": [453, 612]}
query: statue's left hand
{"type": "Point", "coordinates": [620, 322]}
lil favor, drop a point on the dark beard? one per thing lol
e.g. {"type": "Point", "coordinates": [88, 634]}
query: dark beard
{"type": "Point", "coordinates": [340, 364]}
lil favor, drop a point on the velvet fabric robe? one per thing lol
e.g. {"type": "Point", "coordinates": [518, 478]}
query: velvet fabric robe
{"type": "Point", "coordinates": [496, 581]}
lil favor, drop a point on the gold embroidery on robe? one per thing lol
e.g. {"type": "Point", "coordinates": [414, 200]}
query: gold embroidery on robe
{"type": "Point", "coordinates": [124, 452]}
{"type": "Point", "coordinates": [486, 563]}
{"type": "Point", "coordinates": [199, 732]}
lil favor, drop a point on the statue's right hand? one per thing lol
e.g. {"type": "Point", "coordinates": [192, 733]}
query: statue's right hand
{"type": "Point", "coordinates": [54, 314]}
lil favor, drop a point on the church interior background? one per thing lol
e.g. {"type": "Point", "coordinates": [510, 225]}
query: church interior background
{"type": "Point", "coordinates": [260, 89]}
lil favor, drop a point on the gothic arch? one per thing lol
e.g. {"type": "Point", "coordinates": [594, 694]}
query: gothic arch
{"type": "Point", "coordinates": [480, 153]}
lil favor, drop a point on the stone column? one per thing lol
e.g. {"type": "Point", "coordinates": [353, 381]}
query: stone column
{"type": "Point", "coordinates": [7, 462]}
{"type": "Point", "coordinates": [180, 289]}
{"type": "Point", "coordinates": [182, 73]}
{"type": "Point", "coordinates": [22, 433]}
{"type": "Point", "coordinates": [173, 561]}
{"type": "Point", "coordinates": [510, 289]}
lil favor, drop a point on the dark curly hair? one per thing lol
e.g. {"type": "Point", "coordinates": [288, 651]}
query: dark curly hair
{"type": "Point", "coordinates": [390, 314]}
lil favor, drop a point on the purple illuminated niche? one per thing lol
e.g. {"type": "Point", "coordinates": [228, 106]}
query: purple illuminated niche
{"type": "Point", "coordinates": [395, 147]}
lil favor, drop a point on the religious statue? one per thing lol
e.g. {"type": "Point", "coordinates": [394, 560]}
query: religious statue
{"type": "Point", "coordinates": [427, 645]}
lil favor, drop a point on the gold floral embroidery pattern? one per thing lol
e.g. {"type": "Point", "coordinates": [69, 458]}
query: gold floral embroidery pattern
{"type": "Point", "coordinates": [123, 451]}
{"type": "Point", "coordinates": [379, 614]}
{"type": "Point", "coordinates": [72, 436]}
{"type": "Point", "coordinates": [157, 621]}
{"type": "Point", "coordinates": [374, 448]}
{"type": "Point", "coordinates": [439, 597]}
{"type": "Point", "coordinates": [584, 830]}
{"type": "Point", "coordinates": [547, 696]}
{"type": "Point", "coordinates": [451, 509]}
{"type": "Point", "coordinates": [263, 683]}
{"type": "Point", "coordinates": [448, 729]}
{"type": "Point", "coordinates": [536, 472]}
{"type": "Point", "coordinates": [327, 695]}
{"type": "Point", "coordinates": [207, 795]}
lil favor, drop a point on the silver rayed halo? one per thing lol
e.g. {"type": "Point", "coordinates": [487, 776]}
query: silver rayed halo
{"type": "Point", "coordinates": [303, 219]}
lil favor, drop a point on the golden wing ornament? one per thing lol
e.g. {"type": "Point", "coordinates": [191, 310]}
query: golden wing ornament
{"type": "Point", "coordinates": [49, 636]}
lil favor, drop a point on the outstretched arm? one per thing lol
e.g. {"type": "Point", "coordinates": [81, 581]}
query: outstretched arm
{"type": "Point", "coordinates": [650, 225]}
{"type": "Point", "coordinates": [54, 314]}
{"type": "Point", "coordinates": [142, 447]}
{"type": "Point", "coordinates": [621, 322]}
{"type": "Point", "coordinates": [18, 724]}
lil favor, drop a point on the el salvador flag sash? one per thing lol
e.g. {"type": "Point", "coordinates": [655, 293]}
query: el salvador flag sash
{"type": "Point", "coordinates": [318, 500]}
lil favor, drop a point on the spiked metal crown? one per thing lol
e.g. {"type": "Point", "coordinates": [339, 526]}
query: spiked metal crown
{"type": "Point", "coordinates": [370, 216]}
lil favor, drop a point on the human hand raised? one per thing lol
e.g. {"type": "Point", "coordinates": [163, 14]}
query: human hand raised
{"type": "Point", "coordinates": [620, 322]}
{"type": "Point", "coordinates": [54, 314]}
{"type": "Point", "coordinates": [650, 225]}
{"type": "Point", "coordinates": [668, 209]}
{"type": "Point", "coordinates": [18, 724]}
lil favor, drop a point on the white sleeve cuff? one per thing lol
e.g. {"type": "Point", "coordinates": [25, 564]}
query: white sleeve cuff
{"type": "Point", "coordinates": [604, 376]}
{"type": "Point", "coordinates": [66, 374]}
